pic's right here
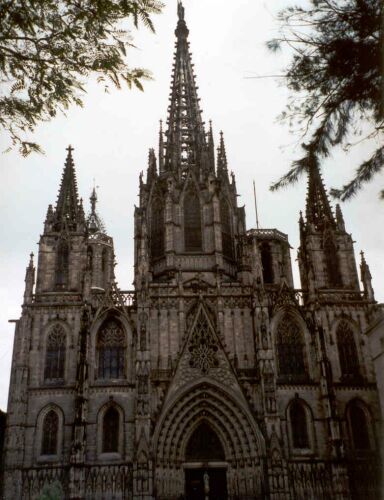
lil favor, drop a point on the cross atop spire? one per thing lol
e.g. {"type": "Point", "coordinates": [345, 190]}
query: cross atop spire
{"type": "Point", "coordinates": [318, 208]}
{"type": "Point", "coordinates": [185, 144]}
{"type": "Point", "coordinates": [67, 206]}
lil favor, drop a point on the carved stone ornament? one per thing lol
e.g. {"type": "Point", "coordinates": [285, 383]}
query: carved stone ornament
{"type": "Point", "coordinates": [202, 346]}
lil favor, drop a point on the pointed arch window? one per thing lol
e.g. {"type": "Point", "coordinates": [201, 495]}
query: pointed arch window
{"type": "Point", "coordinates": [299, 425]}
{"type": "Point", "coordinates": [50, 432]}
{"type": "Point", "coordinates": [111, 427]}
{"type": "Point", "coordinates": [359, 427]}
{"type": "Point", "coordinates": [267, 262]}
{"type": "Point", "coordinates": [157, 228]}
{"type": "Point", "coordinates": [104, 266]}
{"type": "Point", "coordinates": [192, 222]}
{"type": "Point", "coordinates": [62, 265]}
{"type": "Point", "coordinates": [111, 350]}
{"type": "Point", "coordinates": [290, 348]}
{"type": "Point", "coordinates": [226, 229]}
{"type": "Point", "coordinates": [349, 364]}
{"type": "Point", "coordinates": [55, 354]}
{"type": "Point", "coordinates": [89, 258]}
{"type": "Point", "coordinates": [332, 261]}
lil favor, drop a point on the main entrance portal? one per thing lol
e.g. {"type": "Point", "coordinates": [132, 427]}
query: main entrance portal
{"type": "Point", "coordinates": [205, 468]}
{"type": "Point", "coordinates": [206, 483]}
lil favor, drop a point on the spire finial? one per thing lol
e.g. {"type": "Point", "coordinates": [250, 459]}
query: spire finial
{"type": "Point", "coordinates": [93, 199]}
{"type": "Point", "coordinates": [180, 10]}
{"type": "Point", "coordinates": [31, 255]}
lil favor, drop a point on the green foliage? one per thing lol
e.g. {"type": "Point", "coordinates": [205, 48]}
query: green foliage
{"type": "Point", "coordinates": [48, 48]}
{"type": "Point", "coordinates": [52, 491]}
{"type": "Point", "coordinates": [335, 79]}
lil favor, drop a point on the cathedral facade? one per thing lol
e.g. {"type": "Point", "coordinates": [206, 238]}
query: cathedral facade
{"type": "Point", "coordinates": [214, 378]}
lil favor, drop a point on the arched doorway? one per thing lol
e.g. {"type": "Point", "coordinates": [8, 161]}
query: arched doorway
{"type": "Point", "coordinates": [205, 466]}
{"type": "Point", "coordinates": [206, 412]}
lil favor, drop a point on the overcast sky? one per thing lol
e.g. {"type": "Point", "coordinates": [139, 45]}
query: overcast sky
{"type": "Point", "coordinates": [114, 131]}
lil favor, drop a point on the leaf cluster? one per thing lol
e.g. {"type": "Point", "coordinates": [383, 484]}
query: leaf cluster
{"type": "Point", "coordinates": [49, 47]}
{"type": "Point", "coordinates": [335, 79]}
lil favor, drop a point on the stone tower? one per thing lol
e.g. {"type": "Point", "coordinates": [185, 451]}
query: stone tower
{"type": "Point", "coordinates": [214, 378]}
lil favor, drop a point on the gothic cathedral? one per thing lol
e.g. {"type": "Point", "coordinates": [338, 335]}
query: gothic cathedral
{"type": "Point", "coordinates": [214, 378]}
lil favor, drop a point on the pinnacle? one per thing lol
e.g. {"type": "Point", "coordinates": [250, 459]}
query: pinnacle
{"type": "Point", "coordinates": [222, 164]}
{"type": "Point", "coordinates": [31, 255]}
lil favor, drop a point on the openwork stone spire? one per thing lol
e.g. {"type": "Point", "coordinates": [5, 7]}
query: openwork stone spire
{"type": "Point", "coordinates": [318, 208]}
{"type": "Point", "coordinates": [185, 136]}
{"type": "Point", "coordinates": [67, 212]}
{"type": "Point", "coordinates": [94, 223]}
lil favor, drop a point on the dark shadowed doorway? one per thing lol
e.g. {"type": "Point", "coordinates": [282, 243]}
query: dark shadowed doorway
{"type": "Point", "coordinates": [205, 467]}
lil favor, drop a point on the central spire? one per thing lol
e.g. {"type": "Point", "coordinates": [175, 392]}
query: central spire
{"type": "Point", "coordinates": [185, 144]}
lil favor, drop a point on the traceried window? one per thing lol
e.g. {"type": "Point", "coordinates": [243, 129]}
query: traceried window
{"type": "Point", "coordinates": [349, 364]}
{"type": "Point", "coordinates": [157, 228]}
{"type": "Point", "coordinates": [226, 229]}
{"type": "Point", "coordinates": [358, 427]}
{"type": "Point", "coordinates": [266, 262]}
{"type": "Point", "coordinates": [111, 426]}
{"type": "Point", "coordinates": [50, 432]}
{"type": "Point", "coordinates": [55, 354]}
{"type": "Point", "coordinates": [62, 265]}
{"type": "Point", "coordinates": [290, 348]}
{"type": "Point", "coordinates": [111, 350]}
{"type": "Point", "coordinates": [299, 425]}
{"type": "Point", "coordinates": [192, 222]}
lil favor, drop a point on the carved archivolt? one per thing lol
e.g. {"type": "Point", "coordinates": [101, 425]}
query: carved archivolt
{"type": "Point", "coordinates": [238, 432]}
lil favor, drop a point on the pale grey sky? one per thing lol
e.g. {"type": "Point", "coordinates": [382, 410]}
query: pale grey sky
{"type": "Point", "coordinates": [113, 132]}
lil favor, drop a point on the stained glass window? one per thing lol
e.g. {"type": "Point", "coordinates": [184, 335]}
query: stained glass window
{"type": "Point", "coordinates": [157, 228]}
{"type": "Point", "coordinates": [299, 427]}
{"type": "Point", "coordinates": [55, 354]}
{"type": "Point", "coordinates": [226, 230]}
{"type": "Point", "coordinates": [49, 433]}
{"type": "Point", "coordinates": [111, 431]}
{"type": "Point", "coordinates": [290, 348]}
{"type": "Point", "coordinates": [349, 364]}
{"type": "Point", "coordinates": [62, 265]}
{"type": "Point", "coordinates": [192, 222]}
{"type": "Point", "coordinates": [111, 350]}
